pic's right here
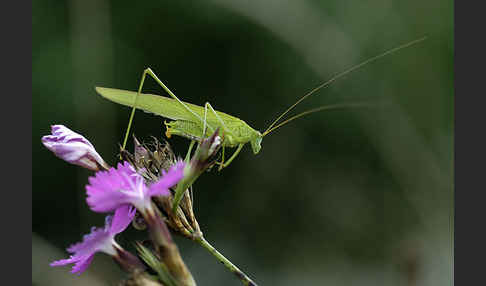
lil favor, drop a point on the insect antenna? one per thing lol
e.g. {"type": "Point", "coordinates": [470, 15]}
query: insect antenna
{"type": "Point", "coordinates": [334, 78]}
{"type": "Point", "coordinates": [317, 109]}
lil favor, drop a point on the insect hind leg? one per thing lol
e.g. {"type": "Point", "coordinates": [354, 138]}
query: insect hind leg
{"type": "Point", "coordinates": [195, 115]}
{"type": "Point", "coordinates": [133, 109]}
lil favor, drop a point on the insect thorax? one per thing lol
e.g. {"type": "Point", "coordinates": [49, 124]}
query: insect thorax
{"type": "Point", "coordinates": [242, 133]}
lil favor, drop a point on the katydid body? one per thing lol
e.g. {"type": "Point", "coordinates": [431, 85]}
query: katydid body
{"type": "Point", "coordinates": [235, 131]}
{"type": "Point", "coordinates": [195, 122]}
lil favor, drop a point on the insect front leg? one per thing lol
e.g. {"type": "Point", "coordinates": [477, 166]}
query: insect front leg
{"type": "Point", "coordinates": [205, 120]}
{"type": "Point", "coordinates": [204, 130]}
{"type": "Point", "coordinates": [225, 130]}
{"type": "Point", "coordinates": [224, 165]}
{"type": "Point", "coordinates": [222, 158]}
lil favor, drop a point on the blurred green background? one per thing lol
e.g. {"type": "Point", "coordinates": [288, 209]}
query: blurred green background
{"type": "Point", "coordinates": [345, 197]}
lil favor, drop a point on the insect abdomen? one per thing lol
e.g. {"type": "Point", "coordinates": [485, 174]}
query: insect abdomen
{"type": "Point", "coordinates": [183, 128]}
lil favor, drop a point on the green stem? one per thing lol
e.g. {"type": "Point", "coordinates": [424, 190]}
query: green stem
{"type": "Point", "coordinates": [185, 183]}
{"type": "Point", "coordinates": [182, 186]}
{"type": "Point", "coordinates": [242, 276]}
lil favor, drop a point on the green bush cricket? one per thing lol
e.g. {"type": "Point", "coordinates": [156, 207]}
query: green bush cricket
{"type": "Point", "coordinates": [195, 122]}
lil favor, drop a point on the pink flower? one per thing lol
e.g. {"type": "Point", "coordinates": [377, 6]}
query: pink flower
{"type": "Point", "coordinates": [99, 240]}
{"type": "Point", "coordinates": [109, 190]}
{"type": "Point", "coordinates": [73, 148]}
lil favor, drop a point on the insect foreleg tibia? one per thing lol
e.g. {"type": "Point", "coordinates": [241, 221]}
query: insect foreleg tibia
{"type": "Point", "coordinates": [224, 165]}
{"type": "Point", "coordinates": [226, 130]}
{"type": "Point", "coordinates": [205, 124]}
{"type": "Point", "coordinates": [222, 156]}
{"type": "Point", "coordinates": [205, 121]}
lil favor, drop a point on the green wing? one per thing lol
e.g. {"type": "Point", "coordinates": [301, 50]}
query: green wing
{"type": "Point", "coordinates": [163, 106]}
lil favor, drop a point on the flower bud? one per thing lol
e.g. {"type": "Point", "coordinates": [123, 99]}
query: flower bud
{"type": "Point", "coordinates": [73, 148]}
{"type": "Point", "coordinates": [206, 151]}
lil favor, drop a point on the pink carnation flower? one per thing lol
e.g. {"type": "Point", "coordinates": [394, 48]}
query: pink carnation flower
{"type": "Point", "coordinates": [108, 190]}
{"type": "Point", "coordinates": [99, 240]}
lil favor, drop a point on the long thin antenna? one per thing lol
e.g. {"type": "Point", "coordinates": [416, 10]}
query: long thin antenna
{"type": "Point", "coordinates": [341, 74]}
{"type": "Point", "coordinates": [317, 109]}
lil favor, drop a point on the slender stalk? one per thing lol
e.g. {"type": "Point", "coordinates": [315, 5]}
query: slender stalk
{"type": "Point", "coordinates": [167, 249]}
{"type": "Point", "coordinates": [242, 276]}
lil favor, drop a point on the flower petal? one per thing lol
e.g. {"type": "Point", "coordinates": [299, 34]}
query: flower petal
{"type": "Point", "coordinates": [63, 262]}
{"type": "Point", "coordinates": [168, 180]}
{"type": "Point", "coordinates": [90, 243]}
{"type": "Point", "coordinates": [122, 218]}
{"type": "Point", "coordinates": [98, 240]}
{"type": "Point", "coordinates": [82, 264]}
{"type": "Point", "coordinates": [109, 190]}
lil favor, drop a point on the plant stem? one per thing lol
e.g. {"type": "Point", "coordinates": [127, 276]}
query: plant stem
{"type": "Point", "coordinates": [242, 276]}
{"type": "Point", "coordinates": [167, 249]}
